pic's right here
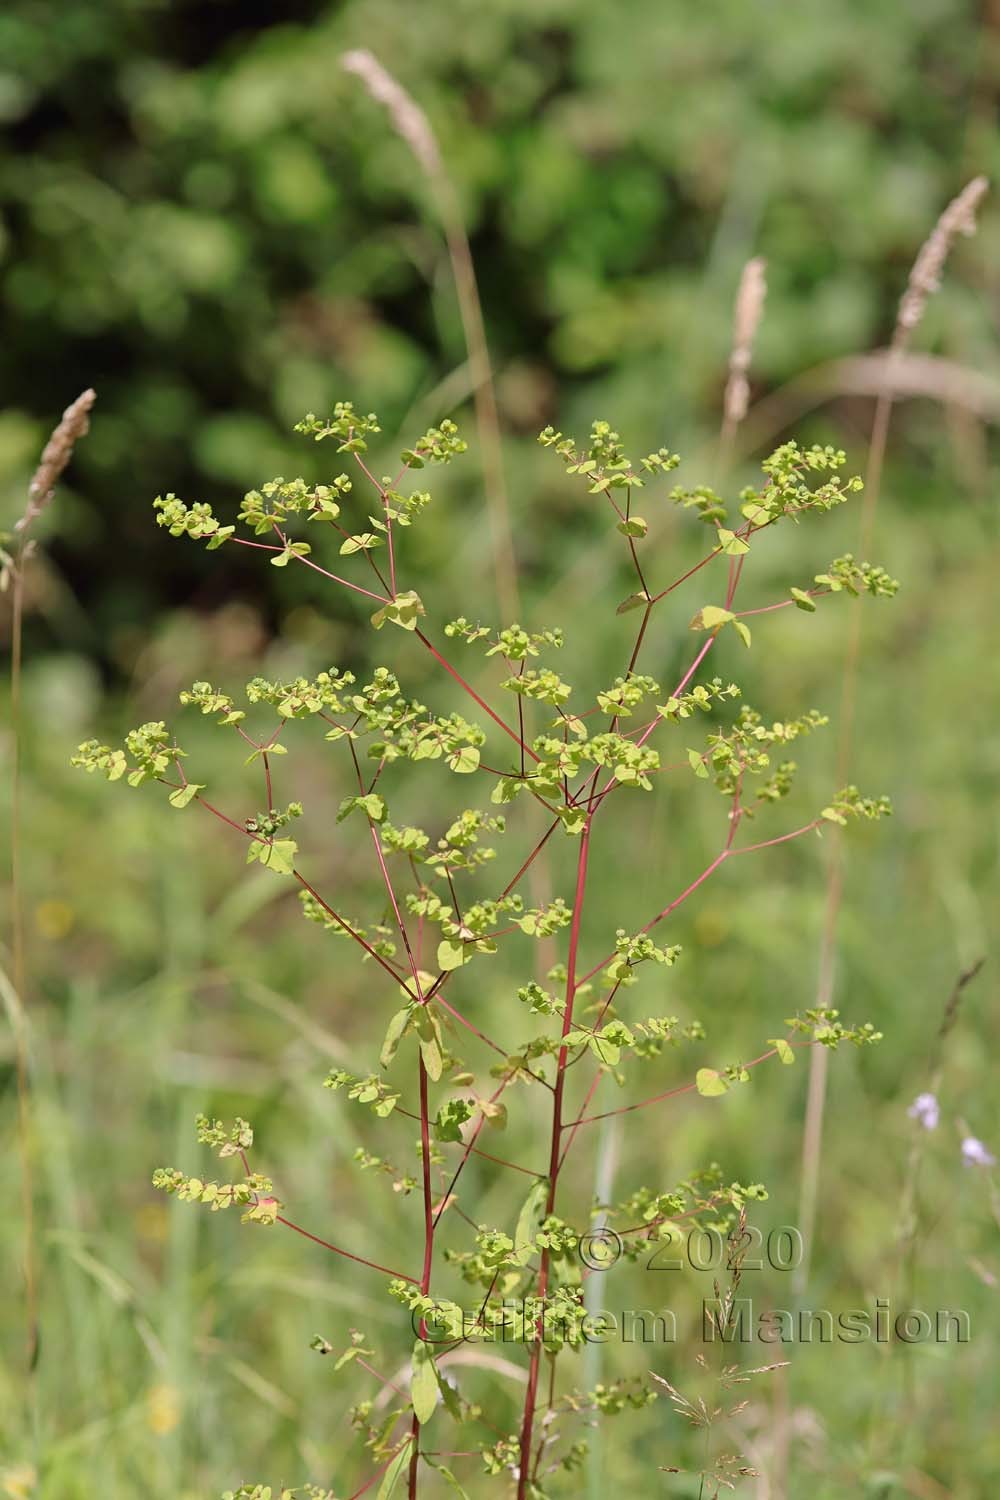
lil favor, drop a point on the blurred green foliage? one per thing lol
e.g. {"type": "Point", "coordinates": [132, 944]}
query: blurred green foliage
{"type": "Point", "coordinates": [206, 219]}
{"type": "Point", "coordinates": [202, 216]}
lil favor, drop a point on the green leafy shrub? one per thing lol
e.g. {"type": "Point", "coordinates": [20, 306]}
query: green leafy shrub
{"type": "Point", "coordinates": [549, 761]}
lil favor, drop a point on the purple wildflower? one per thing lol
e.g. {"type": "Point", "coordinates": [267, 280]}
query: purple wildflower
{"type": "Point", "coordinates": [975, 1154]}
{"type": "Point", "coordinates": [925, 1109]}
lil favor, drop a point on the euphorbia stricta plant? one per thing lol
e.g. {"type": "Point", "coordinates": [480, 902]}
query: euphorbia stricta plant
{"type": "Point", "coordinates": [442, 910]}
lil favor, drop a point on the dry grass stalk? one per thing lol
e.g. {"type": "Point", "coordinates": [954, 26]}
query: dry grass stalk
{"type": "Point", "coordinates": [56, 455]}
{"type": "Point", "coordinates": [957, 218]}
{"type": "Point", "coordinates": [414, 128]}
{"type": "Point", "coordinates": [409, 119]}
{"type": "Point", "coordinates": [749, 310]}
{"type": "Point", "coordinates": [925, 278]}
{"type": "Point", "coordinates": [895, 373]}
{"type": "Point", "coordinates": [747, 314]}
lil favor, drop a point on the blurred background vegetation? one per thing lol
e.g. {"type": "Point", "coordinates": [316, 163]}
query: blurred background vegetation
{"type": "Point", "coordinates": [203, 217]}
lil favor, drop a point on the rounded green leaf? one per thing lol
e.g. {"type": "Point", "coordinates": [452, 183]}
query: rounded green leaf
{"type": "Point", "coordinates": [710, 1083]}
{"type": "Point", "coordinates": [184, 794]}
{"type": "Point", "coordinates": [450, 955]}
{"type": "Point", "coordinates": [464, 759]}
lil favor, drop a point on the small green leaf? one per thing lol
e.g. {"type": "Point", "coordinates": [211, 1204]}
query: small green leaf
{"type": "Point", "coordinates": [634, 526]}
{"type": "Point", "coordinates": [506, 789]}
{"type": "Point", "coordinates": [279, 856]}
{"type": "Point", "coordinates": [402, 611]}
{"type": "Point", "coordinates": [423, 1383]}
{"type": "Point", "coordinates": [733, 545]}
{"type": "Point", "coordinates": [710, 1083]}
{"type": "Point", "coordinates": [394, 1470]}
{"type": "Point", "coordinates": [803, 600]}
{"type": "Point", "coordinates": [274, 749]}
{"type": "Point", "coordinates": [783, 1049]}
{"type": "Point", "coordinates": [394, 1035]}
{"type": "Point", "coordinates": [451, 955]}
{"type": "Point", "coordinates": [697, 764]}
{"type": "Point", "coordinates": [452, 1115]}
{"type": "Point", "coordinates": [446, 1473]}
{"type": "Point", "coordinates": [743, 631]}
{"type": "Point", "coordinates": [361, 543]}
{"type": "Point", "coordinates": [634, 601]}
{"type": "Point", "coordinates": [415, 988]}
{"type": "Point", "coordinates": [184, 794]}
{"type": "Point", "coordinates": [431, 1054]}
{"type": "Point", "coordinates": [710, 617]}
{"type": "Point", "coordinates": [464, 759]}
{"type": "Point", "coordinates": [573, 819]}
{"type": "Point", "coordinates": [530, 1218]}
{"type": "Point", "coordinates": [604, 1050]}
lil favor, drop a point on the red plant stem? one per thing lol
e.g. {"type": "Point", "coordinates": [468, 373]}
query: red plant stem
{"type": "Point", "coordinates": [692, 669]}
{"type": "Point", "coordinates": [683, 1088]}
{"type": "Point", "coordinates": [724, 854]}
{"type": "Point", "coordinates": [425, 1150]}
{"type": "Point", "coordinates": [555, 1159]}
{"type": "Point", "coordinates": [499, 1161]}
{"type": "Point", "coordinates": [220, 815]}
{"type": "Point", "coordinates": [767, 609]}
{"type": "Point", "coordinates": [512, 733]}
{"type": "Point", "coordinates": [425, 1279]}
{"type": "Point", "coordinates": [400, 924]}
{"type": "Point", "coordinates": [425, 1133]}
{"type": "Point", "coordinates": [638, 642]}
{"type": "Point", "coordinates": [531, 1394]}
{"type": "Point", "coordinates": [699, 880]}
{"type": "Point", "coordinates": [531, 858]}
{"type": "Point", "coordinates": [367, 472]}
{"type": "Point", "coordinates": [688, 1213]}
{"type": "Point", "coordinates": [355, 588]}
{"type": "Point", "coordinates": [384, 963]}
{"type": "Point", "coordinates": [341, 922]}
{"type": "Point", "coordinates": [610, 785]}
{"type": "Point", "coordinates": [734, 575]}
{"type": "Point", "coordinates": [470, 1147]}
{"type": "Point", "coordinates": [513, 1165]}
{"type": "Point", "coordinates": [782, 838]}
{"type": "Point", "coordinates": [520, 720]}
{"type": "Point", "coordinates": [580, 1117]}
{"type": "Point", "coordinates": [383, 1380]}
{"type": "Point", "coordinates": [392, 551]}
{"type": "Point", "coordinates": [685, 576]}
{"type": "Point", "coordinates": [457, 1014]}
{"type": "Point", "coordinates": [359, 1259]}
{"type": "Point", "coordinates": [336, 1249]}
